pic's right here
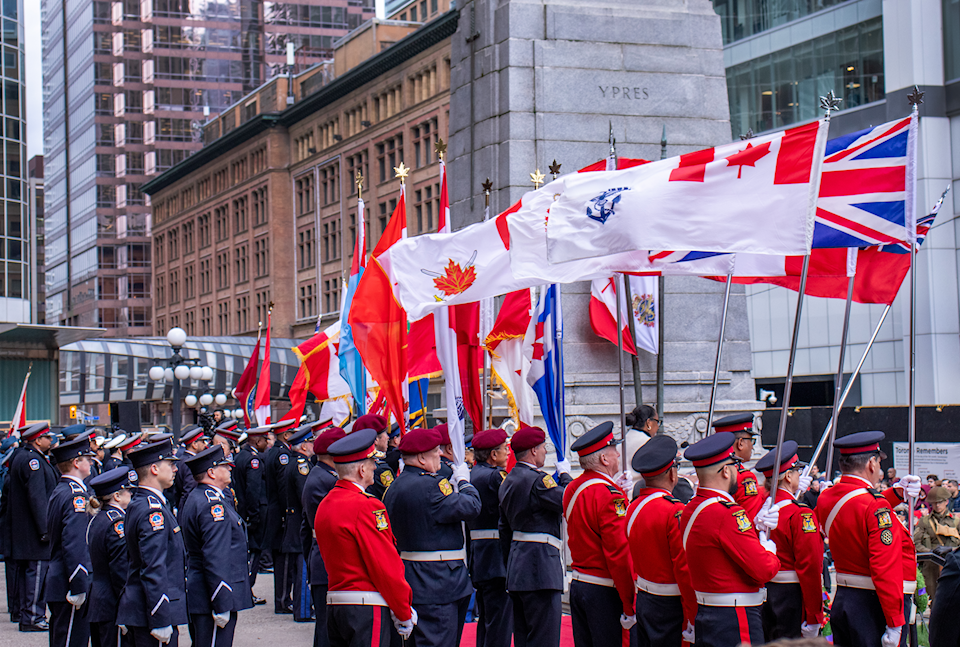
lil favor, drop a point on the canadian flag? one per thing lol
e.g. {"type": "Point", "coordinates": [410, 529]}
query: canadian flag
{"type": "Point", "coordinates": [643, 307]}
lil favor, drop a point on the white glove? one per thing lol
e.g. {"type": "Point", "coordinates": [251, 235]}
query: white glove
{"type": "Point", "coordinates": [563, 466]}
{"type": "Point", "coordinates": [689, 635]}
{"type": "Point", "coordinates": [461, 473]}
{"type": "Point", "coordinates": [405, 627]}
{"type": "Point", "coordinates": [910, 485]}
{"type": "Point", "coordinates": [805, 481]}
{"type": "Point", "coordinates": [768, 544]}
{"type": "Point", "coordinates": [123, 629]}
{"type": "Point", "coordinates": [767, 518]}
{"type": "Point", "coordinates": [809, 631]}
{"type": "Point", "coordinates": [891, 637]}
{"type": "Point", "coordinates": [222, 619]}
{"type": "Point", "coordinates": [77, 600]}
{"type": "Point", "coordinates": [627, 621]}
{"type": "Point", "coordinates": [625, 482]}
{"type": "Point", "coordinates": [163, 634]}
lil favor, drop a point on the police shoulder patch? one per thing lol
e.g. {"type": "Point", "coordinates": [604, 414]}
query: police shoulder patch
{"type": "Point", "coordinates": [303, 467]}
{"type": "Point", "coordinates": [548, 481]}
{"type": "Point", "coordinates": [386, 478]}
{"type": "Point", "coordinates": [153, 502]}
{"type": "Point", "coordinates": [807, 524]}
{"type": "Point", "coordinates": [118, 528]}
{"type": "Point", "coordinates": [883, 518]}
{"type": "Point", "coordinates": [79, 504]}
{"type": "Point", "coordinates": [380, 517]}
{"type": "Point", "coordinates": [750, 487]}
{"type": "Point", "coordinates": [156, 520]}
{"type": "Point", "coordinates": [620, 507]}
{"type": "Point", "coordinates": [132, 476]}
{"type": "Point", "coordinates": [254, 463]}
{"type": "Point", "coordinates": [743, 523]}
{"type": "Point", "coordinates": [34, 464]}
{"type": "Point", "coordinates": [503, 475]}
{"type": "Point", "coordinates": [445, 487]}
{"type": "Point", "coordinates": [284, 459]}
{"type": "Point", "coordinates": [886, 536]}
{"type": "Point", "coordinates": [216, 511]}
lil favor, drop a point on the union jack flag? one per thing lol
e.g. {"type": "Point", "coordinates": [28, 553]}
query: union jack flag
{"type": "Point", "coordinates": [865, 187]}
{"type": "Point", "coordinates": [924, 223]}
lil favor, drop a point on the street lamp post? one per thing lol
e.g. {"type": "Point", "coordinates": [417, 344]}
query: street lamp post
{"type": "Point", "coordinates": [181, 368]}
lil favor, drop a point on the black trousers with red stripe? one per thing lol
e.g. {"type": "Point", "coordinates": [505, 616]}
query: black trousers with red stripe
{"type": "Point", "coordinates": [354, 625]}
{"type": "Point", "coordinates": [783, 611]}
{"type": "Point", "coordinates": [728, 626]}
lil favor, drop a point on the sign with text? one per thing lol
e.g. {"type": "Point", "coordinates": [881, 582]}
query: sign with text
{"type": "Point", "coordinates": [942, 459]}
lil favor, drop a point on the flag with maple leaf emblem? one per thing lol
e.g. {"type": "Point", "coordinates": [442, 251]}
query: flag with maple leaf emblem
{"type": "Point", "coordinates": [754, 197]}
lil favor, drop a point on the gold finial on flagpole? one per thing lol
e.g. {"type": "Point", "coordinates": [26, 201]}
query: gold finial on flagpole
{"type": "Point", "coordinates": [441, 147]}
{"type": "Point", "coordinates": [537, 178]}
{"type": "Point", "coordinates": [401, 172]}
{"type": "Point", "coordinates": [359, 181]}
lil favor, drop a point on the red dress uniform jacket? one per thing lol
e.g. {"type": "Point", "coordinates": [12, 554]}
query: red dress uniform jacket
{"type": "Point", "coordinates": [750, 494]}
{"type": "Point", "coordinates": [863, 541]}
{"type": "Point", "coordinates": [358, 548]}
{"type": "Point", "coordinates": [894, 497]}
{"type": "Point", "coordinates": [800, 548]}
{"type": "Point", "coordinates": [724, 554]}
{"type": "Point", "coordinates": [656, 545]}
{"type": "Point", "coordinates": [597, 533]}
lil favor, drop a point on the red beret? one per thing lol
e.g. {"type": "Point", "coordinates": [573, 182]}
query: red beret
{"type": "Point", "coordinates": [489, 438]}
{"type": "Point", "coordinates": [526, 438]}
{"type": "Point", "coordinates": [371, 421]}
{"type": "Point", "coordinates": [327, 438]}
{"type": "Point", "coordinates": [417, 441]}
{"type": "Point", "coordinates": [444, 433]}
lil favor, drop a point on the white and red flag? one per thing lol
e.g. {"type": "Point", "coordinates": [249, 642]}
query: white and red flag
{"type": "Point", "coordinates": [511, 354]}
{"type": "Point", "coordinates": [19, 419]}
{"type": "Point", "coordinates": [757, 196]}
{"type": "Point", "coordinates": [643, 307]}
{"type": "Point", "coordinates": [262, 406]}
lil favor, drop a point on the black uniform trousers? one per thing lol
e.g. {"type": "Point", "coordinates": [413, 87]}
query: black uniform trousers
{"type": "Point", "coordinates": [440, 625]}
{"type": "Point", "coordinates": [284, 574]}
{"type": "Point", "coordinates": [595, 612]}
{"type": "Point", "coordinates": [302, 599]}
{"type": "Point", "coordinates": [783, 611]}
{"type": "Point", "coordinates": [69, 626]}
{"type": "Point", "coordinates": [206, 633]}
{"type": "Point", "coordinates": [908, 635]}
{"type": "Point", "coordinates": [659, 621]}
{"type": "Point", "coordinates": [319, 594]}
{"type": "Point", "coordinates": [253, 562]}
{"type": "Point", "coordinates": [857, 618]}
{"type": "Point", "coordinates": [30, 577]}
{"type": "Point", "coordinates": [730, 626]}
{"type": "Point", "coordinates": [142, 638]}
{"type": "Point", "coordinates": [13, 594]}
{"type": "Point", "coordinates": [495, 625]}
{"type": "Point", "coordinates": [108, 634]}
{"type": "Point", "coordinates": [354, 625]}
{"type": "Point", "coordinates": [536, 618]}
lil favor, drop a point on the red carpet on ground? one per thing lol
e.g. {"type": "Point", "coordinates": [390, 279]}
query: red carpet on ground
{"type": "Point", "coordinates": [566, 633]}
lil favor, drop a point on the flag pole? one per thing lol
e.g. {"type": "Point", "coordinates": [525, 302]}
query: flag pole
{"type": "Point", "coordinates": [486, 399]}
{"type": "Point", "coordinates": [835, 418]}
{"type": "Point", "coordinates": [661, 289]}
{"type": "Point", "coordinates": [623, 407]}
{"type": "Point", "coordinates": [915, 99]}
{"type": "Point", "coordinates": [716, 364]}
{"type": "Point", "coordinates": [846, 391]}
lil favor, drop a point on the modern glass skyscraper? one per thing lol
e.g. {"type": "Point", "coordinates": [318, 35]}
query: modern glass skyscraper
{"type": "Point", "coordinates": [127, 85]}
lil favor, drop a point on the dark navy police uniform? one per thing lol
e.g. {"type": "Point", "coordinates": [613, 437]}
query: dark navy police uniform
{"type": "Point", "coordinates": [488, 569]}
{"type": "Point", "coordinates": [108, 557]}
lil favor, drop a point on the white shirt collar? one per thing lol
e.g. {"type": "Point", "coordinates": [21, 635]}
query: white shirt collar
{"type": "Point", "coordinates": [723, 495]}
{"type": "Point", "coordinates": [530, 465]}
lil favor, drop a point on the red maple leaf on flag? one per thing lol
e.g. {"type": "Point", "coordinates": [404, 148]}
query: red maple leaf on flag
{"type": "Point", "coordinates": [455, 279]}
{"type": "Point", "coordinates": [748, 156]}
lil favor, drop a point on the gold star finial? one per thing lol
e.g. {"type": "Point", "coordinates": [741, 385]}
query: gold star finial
{"type": "Point", "coordinates": [487, 186]}
{"type": "Point", "coordinates": [537, 178]}
{"type": "Point", "coordinates": [401, 172]}
{"type": "Point", "coordinates": [555, 169]}
{"type": "Point", "coordinates": [441, 147]}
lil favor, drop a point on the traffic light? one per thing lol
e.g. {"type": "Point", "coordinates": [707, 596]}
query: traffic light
{"type": "Point", "coordinates": [73, 412]}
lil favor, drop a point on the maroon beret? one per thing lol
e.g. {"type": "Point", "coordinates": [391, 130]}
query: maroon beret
{"type": "Point", "coordinates": [417, 441]}
{"type": "Point", "coordinates": [327, 438]}
{"type": "Point", "coordinates": [444, 433]}
{"type": "Point", "coordinates": [371, 421]}
{"type": "Point", "coordinates": [525, 438]}
{"type": "Point", "coordinates": [489, 438]}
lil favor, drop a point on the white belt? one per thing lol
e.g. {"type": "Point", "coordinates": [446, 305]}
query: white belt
{"type": "Point", "coordinates": [656, 588]}
{"type": "Point", "coordinates": [365, 598]}
{"type": "Point", "coordinates": [866, 582]}
{"type": "Point", "coordinates": [909, 588]}
{"type": "Point", "coordinates": [593, 579]}
{"type": "Point", "coordinates": [753, 599]}
{"type": "Point", "coordinates": [484, 534]}
{"type": "Point", "coordinates": [434, 555]}
{"type": "Point", "coordinates": [538, 538]}
{"type": "Point", "coordinates": [786, 577]}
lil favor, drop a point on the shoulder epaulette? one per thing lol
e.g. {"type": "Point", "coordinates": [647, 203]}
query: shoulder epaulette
{"type": "Point", "coordinates": [800, 504]}
{"type": "Point", "coordinates": [671, 499]}
{"type": "Point", "coordinates": [614, 490]}
{"type": "Point", "coordinates": [211, 495]}
{"type": "Point", "coordinates": [113, 515]}
{"type": "Point", "coordinates": [876, 494]}
{"type": "Point", "coordinates": [76, 487]}
{"type": "Point", "coordinates": [729, 504]}
{"type": "Point", "coordinates": [154, 502]}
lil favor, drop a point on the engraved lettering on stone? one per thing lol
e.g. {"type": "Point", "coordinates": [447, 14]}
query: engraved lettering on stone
{"type": "Point", "coordinates": [618, 92]}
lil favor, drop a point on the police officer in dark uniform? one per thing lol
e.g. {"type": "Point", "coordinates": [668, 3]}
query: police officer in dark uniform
{"type": "Point", "coordinates": [284, 567]}
{"type": "Point", "coordinates": [427, 513]}
{"type": "Point", "coordinates": [193, 442]}
{"type": "Point", "coordinates": [384, 475]}
{"type": "Point", "coordinates": [531, 511]}
{"type": "Point", "coordinates": [217, 575]}
{"type": "Point", "coordinates": [295, 475]}
{"type": "Point", "coordinates": [68, 578]}
{"type": "Point", "coordinates": [72, 432]}
{"type": "Point", "coordinates": [252, 496]}
{"type": "Point", "coordinates": [393, 454]}
{"type": "Point", "coordinates": [108, 556]}
{"type": "Point", "coordinates": [488, 569]}
{"type": "Point", "coordinates": [32, 480]}
{"type": "Point", "coordinates": [319, 482]}
{"type": "Point", "coordinates": [129, 443]}
{"type": "Point", "coordinates": [446, 451]}
{"type": "Point", "coordinates": [153, 602]}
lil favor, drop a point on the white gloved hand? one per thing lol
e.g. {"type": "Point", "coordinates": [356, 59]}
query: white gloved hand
{"type": "Point", "coordinates": [461, 473]}
{"type": "Point", "coordinates": [805, 481]}
{"type": "Point", "coordinates": [77, 600]}
{"type": "Point", "coordinates": [768, 518]}
{"type": "Point", "coordinates": [163, 634]}
{"type": "Point", "coordinates": [768, 544]}
{"type": "Point", "coordinates": [222, 619]}
{"type": "Point", "coordinates": [123, 629]}
{"type": "Point", "coordinates": [627, 621]}
{"type": "Point", "coordinates": [910, 485]}
{"type": "Point", "coordinates": [809, 631]}
{"type": "Point", "coordinates": [625, 482]}
{"type": "Point", "coordinates": [689, 635]}
{"type": "Point", "coordinates": [405, 627]}
{"type": "Point", "coordinates": [890, 637]}
{"type": "Point", "coordinates": [564, 466]}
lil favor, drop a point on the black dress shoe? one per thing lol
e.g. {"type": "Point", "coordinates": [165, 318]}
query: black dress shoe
{"type": "Point", "coordinates": [258, 601]}
{"type": "Point", "coordinates": [40, 626]}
